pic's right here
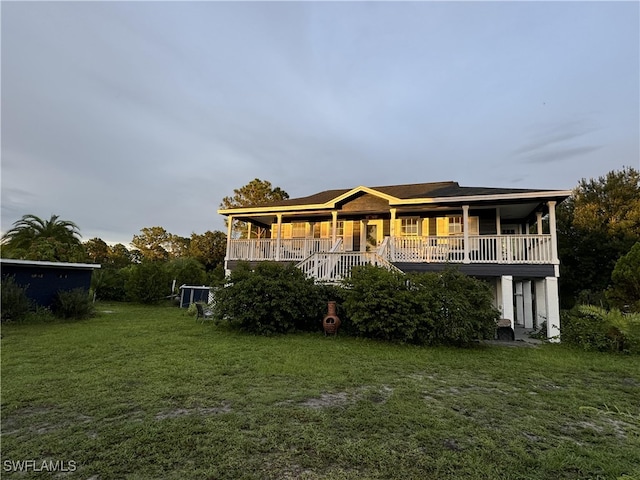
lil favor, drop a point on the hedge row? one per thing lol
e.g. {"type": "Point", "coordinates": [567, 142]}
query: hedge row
{"type": "Point", "coordinates": [429, 308]}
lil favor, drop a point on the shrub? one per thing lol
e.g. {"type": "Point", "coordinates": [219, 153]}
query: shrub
{"type": "Point", "coordinates": [594, 328]}
{"type": "Point", "coordinates": [15, 304]}
{"type": "Point", "coordinates": [624, 291]}
{"type": "Point", "coordinates": [380, 304]}
{"type": "Point", "coordinates": [109, 284]}
{"type": "Point", "coordinates": [147, 282]}
{"type": "Point", "coordinates": [270, 299]}
{"type": "Point", "coordinates": [429, 308]}
{"type": "Point", "coordinates": [186, 271]}
{"type": "Point", "coordinates": [72, 304]}
{"type": "Point", "coordinates": [465, 308]}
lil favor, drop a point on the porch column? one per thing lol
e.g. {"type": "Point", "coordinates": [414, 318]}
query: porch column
{"type": "Point", "coordinates": [392, 225]}
{"type": "Point", "coordinates": [553, 309]}
{"type": "Point", "coordinates": [228, 254]}
{"type": "Point", "coordinates": [392, 234]}
{"type": "Point", "coordinates": [248, 230]}
{"type": "Point", "coordinates": [334, 227]}
{"type": "Point", "coordinates": [506, 297]}
{"type": "Point", "coordinates": [553, 232]}
{"type": "Point", "coordinates": [499, 253]}
{"type": "Point", "coordinates": [541, 302]}
{"type": "Point", "coordinates": [278, 236]}
{"type": "Point", "coordinates": [465, 233]}
{"type": "Point", "coordinates": [363, 235]}
{"type": "Point", "coordinates": [528, 304]}
{"type": "Point", "coordinates": [519, 304]}
{"type": "Point", "coordinates": [539, 222]}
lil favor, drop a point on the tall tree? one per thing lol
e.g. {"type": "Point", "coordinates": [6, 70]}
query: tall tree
{"type": "Point", "coordinates": [209, 248]}
{"type": "Point", "coordinates": [256, 192]}
{"type": "Point", "coordinates": [597, 225]}
{"type": "Point", "coordinates": [97, 250]}
{"type": "Point", "coordinates": [152, 243]}
{"type": "Point", "coordinates": [120, 256]}
{"type": "Point", "coordinates": [33, 238]}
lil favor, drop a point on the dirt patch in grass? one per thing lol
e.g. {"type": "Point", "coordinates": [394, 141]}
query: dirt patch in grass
{"type": "Point", "coordinates": [372, 394]}
{"type": "Point", "coordinates": [39, 420]}
{"type": "Point", "coordinates": [327, 400]}
{"type": "Point", "coordinates": [181, 412]}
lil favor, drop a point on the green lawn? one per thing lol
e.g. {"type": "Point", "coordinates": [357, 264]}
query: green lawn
{"type": "Point", "coordinates": [147, 393]}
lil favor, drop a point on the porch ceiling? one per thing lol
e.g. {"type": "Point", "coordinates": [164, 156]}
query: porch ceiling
{"type": "Point", "coordinates": [520, 211]}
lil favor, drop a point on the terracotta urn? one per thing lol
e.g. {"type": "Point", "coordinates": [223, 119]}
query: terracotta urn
{"type": "Point", "coordinates": [331, 322]}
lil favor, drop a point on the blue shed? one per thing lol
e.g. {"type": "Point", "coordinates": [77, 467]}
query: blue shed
{"type": "Point", "coordinates": [191, 294]}
{"type": "Point", "coordinates": [43, 280]}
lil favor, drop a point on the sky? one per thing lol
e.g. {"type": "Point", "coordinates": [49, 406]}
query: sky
{"type": "Point", "coordinates": [123, 115]}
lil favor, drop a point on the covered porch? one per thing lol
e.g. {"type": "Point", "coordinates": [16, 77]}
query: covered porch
{"type": "Point", "coordinates": [469, 235]}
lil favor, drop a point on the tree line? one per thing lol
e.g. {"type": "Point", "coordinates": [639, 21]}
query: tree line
{"type": "Point", "coordinates": [598, 243]}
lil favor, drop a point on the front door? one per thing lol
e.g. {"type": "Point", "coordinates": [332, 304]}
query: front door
{"type": "Point", "coordinates": [373, 235]}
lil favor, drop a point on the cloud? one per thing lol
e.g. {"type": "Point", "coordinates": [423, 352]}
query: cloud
{"type": "Point", "coordinates": [561, 154]}
{"type": "Point", "coordinates": [558, 142]}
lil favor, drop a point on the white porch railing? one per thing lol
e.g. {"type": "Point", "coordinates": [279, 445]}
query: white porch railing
{"type": "Point", "coordinates": [332, 267]}
{"type": "Point", "coordinates": [509, 249]}
{"type": "Point", "coordinates": [291, 249]}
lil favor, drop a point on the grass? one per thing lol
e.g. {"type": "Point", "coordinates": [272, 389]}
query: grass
{"type": "Point", "coordinates": [148, 393]}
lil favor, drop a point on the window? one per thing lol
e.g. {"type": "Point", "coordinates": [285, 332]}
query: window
{"type": "Point", "coordinates": [340, 228]}
{"type": "Point", "coordinates": [298, 230]}
{"type": "Point", "coordinates": [409, 227]}
{"type": "Point", "coordinates": [455, 225]}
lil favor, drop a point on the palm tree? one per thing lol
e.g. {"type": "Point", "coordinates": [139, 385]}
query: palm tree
{"type": "Point", "coordinates": [36, 239]}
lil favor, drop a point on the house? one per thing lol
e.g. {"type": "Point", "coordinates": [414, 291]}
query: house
{"type": "Point", "coordinates": [496, 234]}
{"type": "Point", "coordinates": [43, 280]}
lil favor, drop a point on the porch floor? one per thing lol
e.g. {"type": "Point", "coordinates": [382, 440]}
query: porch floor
{"type": "Point", "coordinates": [522, 338]}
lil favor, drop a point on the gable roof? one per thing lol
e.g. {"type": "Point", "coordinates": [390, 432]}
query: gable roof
{"type": "Point", "coordinates": [414, 193]}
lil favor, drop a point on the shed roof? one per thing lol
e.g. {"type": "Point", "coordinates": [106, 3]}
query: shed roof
{"type": "Point", "coordinates": [38, 263]}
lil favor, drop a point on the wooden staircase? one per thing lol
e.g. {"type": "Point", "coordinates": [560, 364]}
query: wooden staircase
{"type": "Point", "coordinates": [333, 267]}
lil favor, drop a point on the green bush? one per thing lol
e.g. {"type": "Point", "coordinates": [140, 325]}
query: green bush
{"type": "Point", "coordinates": [15, 304]}
{"type": "Point", "coordinates": [380, 304]}
{"type": "Point", "coordinates": [186, 271]}
{"type": "Point", "coordinates": [464, 307]}
{"type": "Point", "coordinates": [596, 329]}
{"type": "Point", "coordinates": [429, 308]}
{"type": "Point", "coordinates": [270, 299]}
{"type": "Point", "coordinates": [147, 282]}
{"type": "Point", "coordinates": [109, 284]}
{"type": "Point", "coordinates": [624, 291]}
{"type": "Point", "coordinates": [72, 304]}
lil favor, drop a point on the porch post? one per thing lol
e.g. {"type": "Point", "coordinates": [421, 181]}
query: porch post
{"type": "Point", "coordinates": [392, 234]}
{"type": "Point", "coordinates": [363, 235]}
{"type": "Point", "coordinates": [392, 225]}
{"type": "Point", "coordinates": [539, 222]}
{"type": "Point", "coordinates": [506, 297]}
{"type": "Point", "coordinates": [541, 302]}
{"type": "Point", "coordinates": [465, 233]}
{"type": "Point", "coordinates": [248, 230]}
{"type": "Point", "coordinates": [519, 304]}
{"type": "Point", "coordinates": [228, 254]}
{"type": "Point", "coordinates": [498, 227]}
{"type": "Point", "coordinates": [528, 304]}
{"type": "Point", "coordinates": [278, 236]}
{"type": "Point", "coordinates": [553, 309]}
{"type": "Point", "coordinates": [554, 235]}
{"type": "Point", "coordinates": [334, 227]}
